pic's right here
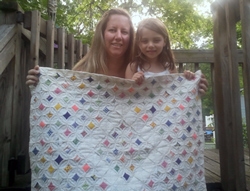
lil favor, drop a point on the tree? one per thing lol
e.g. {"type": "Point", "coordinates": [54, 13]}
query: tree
{"type": "Point", "coordinates": [79, 17]}
{"type": "Point", "coordinates": [185, 24]}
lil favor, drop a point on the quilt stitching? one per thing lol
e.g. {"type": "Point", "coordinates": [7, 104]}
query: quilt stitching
{"type": "Point", "coordinates": [96, 132]}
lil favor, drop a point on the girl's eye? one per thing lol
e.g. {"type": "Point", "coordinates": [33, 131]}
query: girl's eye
{"type": "Point", "coordinates": [144, 41]}
{"type": "Point", "coordinates": [112, 30]}
{"type": "Point", "coordinates": [124, 32]}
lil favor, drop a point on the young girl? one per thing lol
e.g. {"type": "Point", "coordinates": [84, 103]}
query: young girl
{"type": "Point", "coordinates": [153, 55]}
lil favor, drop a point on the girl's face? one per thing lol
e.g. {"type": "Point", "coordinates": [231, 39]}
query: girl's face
{"type": "Point", "coordinates": [151, 44]}
{"type": "Point", "coordinates": [116, 36]}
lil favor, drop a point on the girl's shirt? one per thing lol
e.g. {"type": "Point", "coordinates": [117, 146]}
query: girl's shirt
{"type": "Point", "coordinates": [150, 74]}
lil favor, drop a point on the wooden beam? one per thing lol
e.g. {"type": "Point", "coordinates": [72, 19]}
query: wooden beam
{"type": "Point", "coordinates": [70, 52]}
{"type": "Point", "coordinates": [42, 46]}
{"type": "Point", "coordinates": [6, 94]}
{"type": "Point", "coordinates": [6, 33]}
{"type": "Point", "coordinates": [180, 68]}
{"type": "Point", "coordinates": [17, 102]}
{"type": "Point", "coordinates": [245, 28]}
{"type": "Point", "coordinates": [7, 54]}
{"type": "Point", "coordinates": [50, 44]}
{"type": "Point", "coordinates": [216, 115]}
{"type": "Point", "coordinates": [61, 48]}
{"type": "Point", "coordinates": [196, 66]}
{"type": "Point", "coordinates": [78, 50]}
{"type": "Point", "coordinates": [8, 12]}
{"type": "Point", "coordinates": [85, 49]}
{"type": "Point", "coordinates": [28, 22]}
{"type": "Point", "coordinates": [35, 37]}
{"type": "Point", "coordinates": [222, 96]}
{"type": "Point", "coordinates": [236, 150]}
{"type": "Point", "coordinates": [193, 56]}
{"type": "Point", "coordinates": [10, 6]}
{"type": "Point", "coordinates": [199, 56]}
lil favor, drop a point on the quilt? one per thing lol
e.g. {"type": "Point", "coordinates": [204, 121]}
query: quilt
{"type": "Point", "coordinates": [96, 132]}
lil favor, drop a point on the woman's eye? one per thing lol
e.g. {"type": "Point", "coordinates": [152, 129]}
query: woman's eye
{"type": "Point", "coordinates": [124, 32]}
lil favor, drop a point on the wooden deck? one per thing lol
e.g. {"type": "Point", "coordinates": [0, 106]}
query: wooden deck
{"type": "Point", "coordinates": [212, 166]}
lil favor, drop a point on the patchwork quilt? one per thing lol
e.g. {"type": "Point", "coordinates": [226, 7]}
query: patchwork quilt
{"type": "Point", "coordinates": [96, 132]}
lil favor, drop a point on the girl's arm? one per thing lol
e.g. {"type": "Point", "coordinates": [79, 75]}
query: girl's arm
{"type": "Point", "coordinates": [174, 70]}
{"type": "Point", "coordinates": [131, 73]}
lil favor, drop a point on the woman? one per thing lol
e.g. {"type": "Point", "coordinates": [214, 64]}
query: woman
{"type": "Point", "coordinates": [111, 49]}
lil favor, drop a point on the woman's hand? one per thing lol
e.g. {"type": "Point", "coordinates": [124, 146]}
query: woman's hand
{"type": "Point", "coordinates": [32, 78]}
{"type": "Point", "coordinates": [203, 85]}
{"type": "Point", "coordinates": [138, 77]}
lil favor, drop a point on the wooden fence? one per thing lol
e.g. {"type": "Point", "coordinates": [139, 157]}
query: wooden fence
{"type": "Point", "coordinates": [27, 40]}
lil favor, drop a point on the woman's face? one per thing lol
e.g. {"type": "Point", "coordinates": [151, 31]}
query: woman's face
{"type": "Point", "coordinates": [116, 36]}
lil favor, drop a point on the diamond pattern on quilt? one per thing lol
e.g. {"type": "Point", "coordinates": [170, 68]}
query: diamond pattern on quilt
{"type": "Point", "coordinates": [96, 132]}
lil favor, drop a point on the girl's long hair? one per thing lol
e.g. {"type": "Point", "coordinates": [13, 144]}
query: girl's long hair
{"type": "Point", "coordinates": [166, 57]}
{"type": "Point", "coordinates": [95, 61]}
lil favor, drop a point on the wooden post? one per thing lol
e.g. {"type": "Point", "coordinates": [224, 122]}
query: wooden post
{"type": "Point", "coordinates": [222, 95]}
{"type": "Point", "coordinates": [50, 44]}
{"type": "Point", "coordinates": [227, 98]}
{"type": "Point", "coordinates": [6, 94]}
{"type": "Point", "coordinates": [70, 45]}
{"type": "Point", "coordinates": [78, 50]}
{"type": "Point", "coordinates": [9, 89]}
{"type": "Point", "coordinates": [216, 115]}
{"type": "Point", "coordinates": [180, 67]}
{"type": "Point", "coordinates": [237, 151]}
{"type": "Point", "coordinates": [196, 66]}
{"type": "Point", "coordinates": [61, 48]}
{"type": "Point", "coordinates": [85, 49]}
{"type": "Point", "coordinates": [35, 37]}
{"type": "Point", "coordinates": [245, 28]}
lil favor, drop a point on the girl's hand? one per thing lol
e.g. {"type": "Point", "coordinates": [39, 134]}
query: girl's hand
{"type": "Point", "coordinates": [138, 77]}
{"type": "Point", "coordinates": [32, 78]}
{"type": "Point", "coordinates": [189, 75]}
{"type": "Point", "coordinates": [203, 85]}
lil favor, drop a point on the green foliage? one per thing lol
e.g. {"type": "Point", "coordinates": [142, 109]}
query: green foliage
{"type": "Point", "coordinates": [186, 25]}
{"type": "Point", "coordinates": [239, 36]}
{"type": "Point", "coordinates": [183, 21]}
{"type": "Point", "coordinates": [30, 5]}
{"type": "Point", "coordinates": [80, 17]}
{"type": "Point", "coordinates": [207, 99]}
{"type": "Point", "coordinates": [245, 138]}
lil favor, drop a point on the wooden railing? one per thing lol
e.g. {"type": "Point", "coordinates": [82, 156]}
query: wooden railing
{"type": "Point", "coordinates": [26, 40]}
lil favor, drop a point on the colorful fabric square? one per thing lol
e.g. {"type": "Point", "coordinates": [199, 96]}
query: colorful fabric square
{"type": "Point", "coordinates": [96, 132]}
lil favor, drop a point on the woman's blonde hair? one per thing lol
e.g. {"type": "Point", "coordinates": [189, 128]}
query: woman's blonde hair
{"type": "Point", "coordinates": [95, 60]}
{"type": "Point", "coordinates": [166, 57]}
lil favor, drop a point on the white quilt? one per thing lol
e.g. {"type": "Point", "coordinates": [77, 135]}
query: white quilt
{"type": "Point", "coordinates": [96, 132]}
